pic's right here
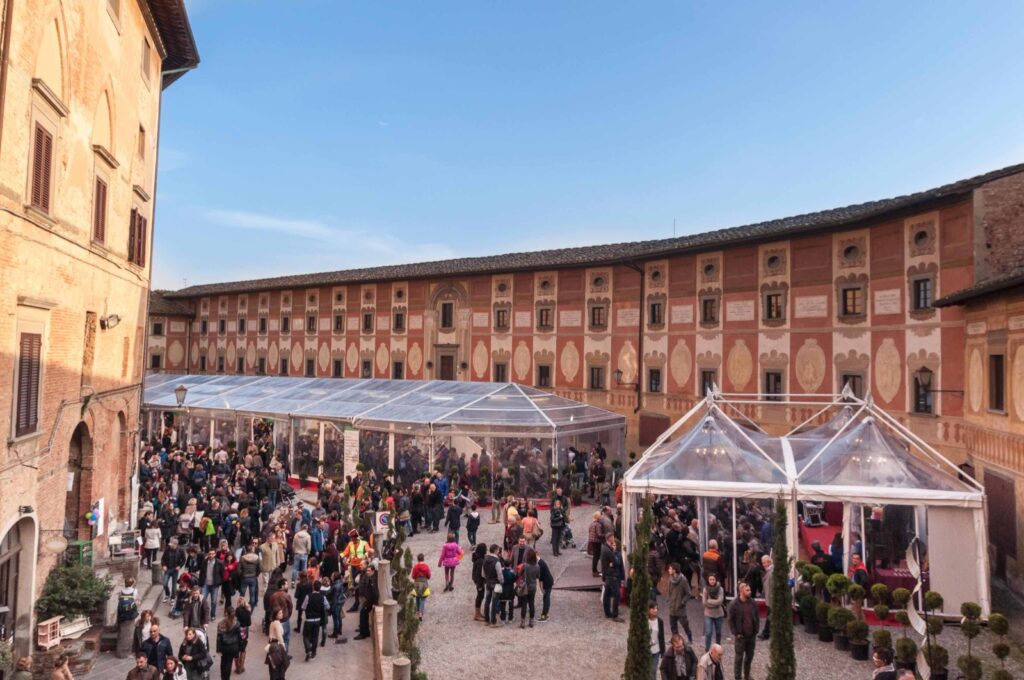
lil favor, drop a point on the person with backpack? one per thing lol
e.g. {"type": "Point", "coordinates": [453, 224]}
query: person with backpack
{"type": "Point", "coordinates": [526, 587]}
{"type": "Point", "coordinates": [127, 612]}
{"type": "Point", "coordinates": [229, 642]}
{"type": "Point", "coordinates": [421, 582]}
{"type": "Point", "coordinates": [314, 606]}
{"type": "Point", "coordinates": [277, 659]}
{"type": "Point", "coordinates": [506, 602]}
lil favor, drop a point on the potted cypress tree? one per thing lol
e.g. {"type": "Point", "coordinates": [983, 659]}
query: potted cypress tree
{"type": "Point", "coordinates": [781, 656]}
{"type": "Point", "coordinates": [857, 631]}
{"type": "Point", "coordinates": [999, 625]}
{"type": "Point", "coordinates": [837, 585]}
{"type": "Point", "coordinates": [838, 618]}
{"type": "Point", "coordinates": [821, 611]}
{"type": "Point", "coordinates": [935, 654]}
{"type": "Point", "coordinates": [638, 643]}
{"type": "Point", "coordinates": [856, 594]}
{"type": "Point", "coordinates": [881, 638]}
{"type": "Point", "coordinates": [808, 604]}
{"type": "Point", "coordinates": [969, 664]}
{"type": "Point", "coordinates": [906, 653]}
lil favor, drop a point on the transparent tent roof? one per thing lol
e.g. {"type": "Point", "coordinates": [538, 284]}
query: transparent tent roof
{"type": "Point", "coordinates": [443, 405]}
{"type": "Point", "coordinates": [857, 451]}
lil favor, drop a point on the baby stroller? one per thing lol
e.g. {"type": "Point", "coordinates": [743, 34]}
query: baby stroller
{"type": "Point", "coordinates": [567, 540]}
{"type": "Point", "coordinates": [287, 495]}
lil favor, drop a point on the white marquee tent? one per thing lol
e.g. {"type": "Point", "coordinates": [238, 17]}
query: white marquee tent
{"type": "Point", "coordinates": [848, 451]}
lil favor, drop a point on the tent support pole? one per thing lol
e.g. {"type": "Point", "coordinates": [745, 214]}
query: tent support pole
{"type": "Point", "coordinates": [984, 575]}
{"type": "Point", "coordinates": [847, 548]}
{"type": "Point", "coordinates": [735, 565]}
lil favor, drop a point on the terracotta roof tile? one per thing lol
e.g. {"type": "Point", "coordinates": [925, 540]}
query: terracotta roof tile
{"type": "Point", "coordinates": [610, 253]}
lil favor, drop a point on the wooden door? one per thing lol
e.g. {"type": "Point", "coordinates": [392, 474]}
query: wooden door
{"type": "Point", "coordinates": [447, 371]}
{"type": "Point", "coordinates": [1002, 520]}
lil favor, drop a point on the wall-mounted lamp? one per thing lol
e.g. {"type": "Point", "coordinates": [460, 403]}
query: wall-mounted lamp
{"type": "Point", "coordinates": [25, 509]}
{"type": "Point", "coordinates": [108, 322]}
{"type": "Point", "coordinates": [617, 374]}
{"type": "Point", "coordinates": [924, 377]}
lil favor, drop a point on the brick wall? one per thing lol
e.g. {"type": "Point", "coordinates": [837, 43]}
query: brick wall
{"type": "Point", "coordinates": [999, 226]}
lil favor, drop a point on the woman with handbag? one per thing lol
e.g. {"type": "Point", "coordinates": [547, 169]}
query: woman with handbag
{"type": "Point", "coordinates": [229, 642]}
{"type": "Point", "coordinates": [277, 659]}
{"type": "Point", "coordinates": [451, 554]}
{"type": "Point", "coordinates": [194, 655]}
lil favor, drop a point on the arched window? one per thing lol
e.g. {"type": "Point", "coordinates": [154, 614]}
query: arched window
{"type": "Point", "coordinates": [10, 547]}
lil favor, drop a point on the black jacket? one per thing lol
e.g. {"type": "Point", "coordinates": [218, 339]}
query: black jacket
{"type": "Point", "coordinates": [157, 651]}
{"type": "Point", "coordinates": [611, 564]}
{"type": "Point", "coordinates": [668, 665]}
{"type": "Point", "coordinates": [547, 579]}
{"type": "Point", "coordinates": [218, 572]}
{"type": "Point", "coordinates": [491, 569]}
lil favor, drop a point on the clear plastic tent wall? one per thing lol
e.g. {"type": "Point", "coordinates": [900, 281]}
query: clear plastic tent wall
{"type": "Point", "coordinates": [459, 415]}
{"type": "Point", "coordinates": [849, 451]}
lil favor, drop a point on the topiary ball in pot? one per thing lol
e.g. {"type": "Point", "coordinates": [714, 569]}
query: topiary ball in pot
{"type": "Point", "coordinates": [857, 631]}
{"type": "Point", "coordinates": [881, 638]}
{"type": "Point", "coordinates": [821, 610]}
{"type": "Point", "coordinates": [906, 653]}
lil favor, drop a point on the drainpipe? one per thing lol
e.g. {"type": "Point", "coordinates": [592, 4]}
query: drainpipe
{"type": "Point", "coordinates": [5, 58]}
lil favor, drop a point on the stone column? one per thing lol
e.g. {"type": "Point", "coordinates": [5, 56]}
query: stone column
{"type": "Point", "coordinates": [384, 579]}
{"type": "Point", "coordinates": [389, 637]}
{"type": "Point", "coordinates": [401, 669]}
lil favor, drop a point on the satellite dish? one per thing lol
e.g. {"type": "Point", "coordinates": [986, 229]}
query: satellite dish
{"type": "Point", "coordinates": [55, 545]}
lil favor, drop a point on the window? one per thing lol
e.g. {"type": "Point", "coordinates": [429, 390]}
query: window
{"type": "Point", "coordinates": [42, 166]}
{"type": "Point", "coordinates": [708, 378]}
{"type": "Point", "coordinates": [158, 328]}
{"type": "Point", "coordinates": [923, 391]}
{"type": "Point", "coordinates": [241, 325]}
{"type": "Point", "coordinates": [145, 58]}
{"type": "Point", "coordinates": [501, 319]}
{"type": "Point", "coordinates": [856, 383]}
{"type": "Point", "coordinates": [773, 385]}
{"type": "Point", "coordinates": [598, 316]}
{"type": "Point", "coordinates": [852, 301]}
{"type": "Point", "coordinates": [773, 306]}
{"type": "Point", "coordinates": [204, 326]}
{"type": "Point", "coordinates": [284, 366]}
{"type": "Point", "coordinates": [367, 369]}
{"type": "Point", "coordinates": [501, 373]}
{"type": "Point", "coordinates": [261, 365]}
{"type": "Point", "coordinates": [922, 289]}
{"type": "Point", "coordinates": [202, 363]}
{"type": "Point", "coordinates": [448, 315]}
{"type": "Point", "coordinates": [337, 368]}
{"type": "Point", "coordinates": [996, 383]}
{"type": "Point", "coordinates": [155, 361]}
{"type": "Point", "coordinates": [709, 310]}
{"type": "Point", "coordinates": [240, 368]}
{"type": "Point", "coordinates": [221, 325]}
{"type": "Point", "coordinates": [368, 322]}
{"type": "Point", "coordinates": [310, 368]}
{"type": "Point", "coordinates": [29, 367]}
{"type": "Point", "coordinates": [655, 314]}
{"type": "Point", "coordinates": [99, 211]}
{"type": "Point", "coordinates": [398, 370]}
{"type": "Point", "coordinates": [220, 364]}
{"type": "Point", "coordinates": [339, 323]}
{"type": "Point", "coordinates": [286, 324]}
{"type": "Point", "coordinates": [545, 317]}
{"type": "Point", "coordinates": [543, 376]}
{"type": "Point", "coordinates": [137, 239]}
{"type": "Point", "coordinates": [597, 377]}
{"type": "Point", "coordinates": [263, 325]}
{"type": "Point", "coordinates": [399, 323]}
{"type": "Point", "coordinates": [654, 380]}
{"type": "Point", "coordinates": [142, 142]}
{"type": "Point", "coordinates": [311, 323]}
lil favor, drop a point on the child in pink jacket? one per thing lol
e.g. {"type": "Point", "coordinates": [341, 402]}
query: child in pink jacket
{"type": "Point", "coordinates": [451, 553]}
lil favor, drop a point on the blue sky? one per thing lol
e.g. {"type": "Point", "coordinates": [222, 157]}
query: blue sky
{"type": "Point", "coordinates": [322, 135]}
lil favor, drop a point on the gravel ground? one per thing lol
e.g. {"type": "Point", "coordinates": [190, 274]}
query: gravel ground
{"type": "Point", "coordinates": [578, 642]}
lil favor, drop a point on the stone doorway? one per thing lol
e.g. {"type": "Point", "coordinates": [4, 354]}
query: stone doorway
{"type": "Point", "coordinates": [446, 367]}
{"type": "Point", "coordinates": [79, 451]}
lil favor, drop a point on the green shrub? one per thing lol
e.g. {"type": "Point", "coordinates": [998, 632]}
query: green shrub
{"type": "Point", "coordinates": [932, 601]}
{"type": "Point", "coordinates": [808, 603]}
{"type": "Point", "coordinates": [906, 650]}
{"type": "Point", "coordinates": [838, 618]}
{"type": "Point", "coordinates": [880, 593]}
{"type": "Point", "coordinates": [800, 564]}
{"type": "Point", "coordinates": [882, 612]}
{"type": "Point", "coordinates": [999, 625]}
{"type": "Point", "coordinates": [819, 580]}
{"type": "Point", "coordinates": [857, 631]}
{"type": "Point", "coordinates": [881, 638]}
{"type": "Point", "coordinates": [855, 592]}
{"type": "Point", "coordinates": [1002, 674]}
{"type": "Point", "coordinates": [900, 597]}
{"type": "Point", "coordinates": [821, 610]}
{"type": "Point", "coordinates": [970, 667]}
{"type": "Point", "coordinates": [937, 657]}
{"type": "Point", "coordinates": [72, 590]}
{"type": "Point", "coordinates": [837, 585]}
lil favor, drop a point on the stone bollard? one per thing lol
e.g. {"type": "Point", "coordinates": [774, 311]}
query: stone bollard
{"type": "Point", "coordinates": [384, 580]}
{"type": "Point", "coordinates": [125, 637]}
{"type": "Point", "coordinates": [389, 639]}
{"type": "Point", "coordinates": [157, 574]}
{"type": "Point", "coordinates": [401, 669]}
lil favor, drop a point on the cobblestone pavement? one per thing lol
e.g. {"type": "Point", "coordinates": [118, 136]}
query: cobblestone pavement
{"type": "Point", "coordinates": [578, 642]}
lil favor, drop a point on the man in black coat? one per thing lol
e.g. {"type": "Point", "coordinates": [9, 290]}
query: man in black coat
{"type": "Point", "coordinates": [156, 647]}
{"type": "Point", "coordinates": [315, 607]}
{"type": "Point", "coordinates": [211, 577]}
{"type": "Point", "coordinates": [368, 595]}
{"type": "Point", "coordinates": [614, 573]}
{"type": "Point", "coordinates": [547, 584]}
